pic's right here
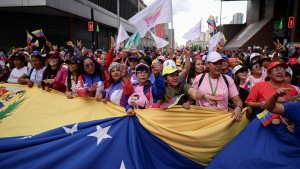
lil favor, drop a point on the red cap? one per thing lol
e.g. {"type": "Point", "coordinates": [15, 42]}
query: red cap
{"type": "Point", "coordinates": [293, 61]}
{"type": "Point", "coordinates": [198, 57]}
{"type": "Point", "coordinates": [274, 64]}
{"type": "Point", "coordinates": [54, 53]}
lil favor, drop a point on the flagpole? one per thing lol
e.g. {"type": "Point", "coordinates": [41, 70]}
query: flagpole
{"type": "Point", "coordinates": [172, 39]}
{"type": "Point", "coordinates": [221, 17]}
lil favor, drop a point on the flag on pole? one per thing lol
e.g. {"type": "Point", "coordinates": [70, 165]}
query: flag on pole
{"type": "Point", "coordinates": [214, 40]}
{"type": "Point", "coordinates": [266, 117]}
{"type": "Point", "coordinates": [211, 22]}
{"type": "Point", "coordinates": [160, 43]}
{"type": "Point", "coordinates": [158, 12]}
{"type": "Point", "coordinates": [194, 32]}
{"type": "Point", "coordinates": [133, 40]}
{"type": "Point", "coordinates": [29, 38]}
{"type": "Point", "coordinates": [122, 35]}
{"type": "Point", "coordinates": [38, 33]}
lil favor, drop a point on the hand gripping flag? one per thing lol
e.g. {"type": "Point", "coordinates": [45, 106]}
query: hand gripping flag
{"type": "Point", "coordinates": [160, 43]}
{"type": "Point", "coordinates": [211, 22]}
{"type": "Point", "coordinates": [38, 33]}
{"type": "Point", "coordinates": [158, 12]}
{"type": "Point", "coordinates": [194, 32]}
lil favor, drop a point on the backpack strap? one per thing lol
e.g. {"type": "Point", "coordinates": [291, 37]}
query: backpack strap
{"type": "Point", "coordinates": [180, 90]}
{"type": "Point", "coordinates": [226, 81]}
{"type": "Point", "coordinates": [201, 79]}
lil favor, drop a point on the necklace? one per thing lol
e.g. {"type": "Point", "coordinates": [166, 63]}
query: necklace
{"type": "Point", "coordinates": [213, 91]}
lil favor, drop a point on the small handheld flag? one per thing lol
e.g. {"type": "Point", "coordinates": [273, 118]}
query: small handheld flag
{"type": "Point", "coordinates": [35, 44]}
{"type": "Point", "coordinates": [38, 33]}
{"type": "Point", "coordinates": [211, 22]}
{"type": "Point", "coordinates": [29, 38]}
{"type": "Point", "coordinates": [266, 117]}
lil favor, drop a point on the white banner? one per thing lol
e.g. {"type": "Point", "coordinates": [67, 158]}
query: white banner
{"type": "Point", "coordinates": [194, 32]}
{"type": "Point", "coordinates": [122, 34]}
{"type": "Point", "coordinates": [160, 43]}
{"type": "Point", "coordinates": [158, 12]}
{"type": "Point", "coordinates": [214, 40]}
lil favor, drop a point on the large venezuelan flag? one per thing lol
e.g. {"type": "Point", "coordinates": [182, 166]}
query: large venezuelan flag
{"type": "Point", "coordinates": [46, 130]}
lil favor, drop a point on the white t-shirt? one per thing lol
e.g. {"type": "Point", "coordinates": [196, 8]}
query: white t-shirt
{"type": "Point", "coordinates": [16, 73]}
{"type": "Point", "coordinates": [36, 76]}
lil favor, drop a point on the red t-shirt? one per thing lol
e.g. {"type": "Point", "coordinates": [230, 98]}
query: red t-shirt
{"type": "Point", "coordinates": [262, 91]}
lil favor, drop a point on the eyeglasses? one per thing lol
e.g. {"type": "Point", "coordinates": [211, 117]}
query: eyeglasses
{"type": "Point", "coordinates": [278, 69]}
{"type": "Point", "coordinates": [89, 65]}
{"type": "Point", "coordinates": [257, 66]}
{"type": "Point", "coordinates": [142, 72]}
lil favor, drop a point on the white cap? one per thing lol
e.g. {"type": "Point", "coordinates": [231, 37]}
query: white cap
{"type": "Point", "coordinates": [237, 68]}
{"type": "Point", "coordinates": [214, 57]}
{"type": "Point", "coordinates": [204, 58]}
{"type": "Point", "coordinates": [169, 62]}
{"type": "Point", "coordinates": [253, 55]}
{"type": "Point", "coordinates": [289, 70]}
{"type": "Point", "coordinates": [26, 53]}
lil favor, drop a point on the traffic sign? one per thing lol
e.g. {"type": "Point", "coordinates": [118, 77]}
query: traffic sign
{"type": "Point", "coordinates": [97, 28]}
{"type": "Point", "coordinates": [291, 22]}
{"type": "Point", "coordinates": [91, 26]}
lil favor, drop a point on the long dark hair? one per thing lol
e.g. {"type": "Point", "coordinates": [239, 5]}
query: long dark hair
{"type": "Point", "coordinates": [98, 69]}
{"type": "Point", "coordinates": [69, 84]}
{"type": "Point", "coordinates": [49, 70]}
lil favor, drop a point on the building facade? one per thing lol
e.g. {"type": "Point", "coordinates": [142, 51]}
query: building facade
{"type": "Point", "coordinates": [63, 20]}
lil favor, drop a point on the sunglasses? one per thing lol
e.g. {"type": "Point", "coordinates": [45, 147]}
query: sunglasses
{"type": "Point", "coordinates": [89, 65]}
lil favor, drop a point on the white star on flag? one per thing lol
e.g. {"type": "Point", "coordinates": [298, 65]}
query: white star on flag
{"type": "Point", "coordinates": [122, 165]}
{"type": "Point", "coordinates": [25, 137]}
{"type": "Point", "coordinates": [101, 133]}
{"type": "Point", "coordinates": [71, 130]}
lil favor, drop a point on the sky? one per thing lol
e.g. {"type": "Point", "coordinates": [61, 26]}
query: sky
{"type": "Point", "coordinates": [186, 14]}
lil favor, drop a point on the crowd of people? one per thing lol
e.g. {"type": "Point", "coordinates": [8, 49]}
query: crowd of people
{"type": "Point", "coordinates": [139, 79]}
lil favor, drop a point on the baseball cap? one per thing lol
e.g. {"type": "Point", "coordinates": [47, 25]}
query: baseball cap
{"type": "Point", "coordinates": [169, 62]}
{"type": "Point", "coordinates": [289, 71]}
{"type": "Point", "coordinates": [141, 65]}
{"type": "Point", "coordinates": [253, 55]}
{"type": "Point", "coordinates": [25, 53]}
{"type": "Point", "coordinates": [134, 56]}
{"type": "Point", "coordinates": [169, 70]}
{"type": "Point", "coordinates": [293, 61]}
{"type": "Point", "coordinates": [239, 68]}
{"type": "Point", "coordinates": [18, 56]}
{"type": "Point", "coordinates": [224, 57]}
{"type": "Point", "coordinates": [214, 57]}
{"type": "Point", "coordinates": [274, 64]}
{"type": "Point", "coordinates": [254, 63]}
{"type": "Point", "coordinates": [161, 58]}
{"type": "Point", "coordinates": [54, 53]}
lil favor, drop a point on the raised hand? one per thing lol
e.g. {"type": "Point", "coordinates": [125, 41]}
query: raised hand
{"type": "Point", "coordinates": [113, 44]}
{"type": "Point", "coordinates": [278, 45]}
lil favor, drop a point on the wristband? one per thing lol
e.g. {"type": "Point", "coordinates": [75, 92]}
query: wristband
{"type": "Point", "coordinates": [239, 107]}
